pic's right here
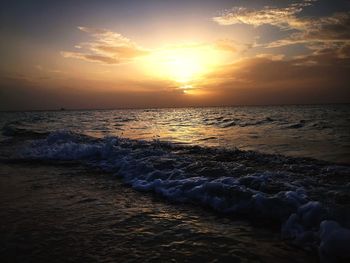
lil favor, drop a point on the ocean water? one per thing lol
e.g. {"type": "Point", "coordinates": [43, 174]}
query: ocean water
{"type": "Point", "coordinates": [284, 167]}
{"type": "Point", "coordinates": [321, 131]}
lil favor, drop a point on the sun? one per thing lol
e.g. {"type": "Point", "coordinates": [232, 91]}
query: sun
{"type": "Point", "coordinates": [182, 64]}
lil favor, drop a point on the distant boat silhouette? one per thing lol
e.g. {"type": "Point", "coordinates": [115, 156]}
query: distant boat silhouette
{"type": "Point", "coordinates": [62, 109]}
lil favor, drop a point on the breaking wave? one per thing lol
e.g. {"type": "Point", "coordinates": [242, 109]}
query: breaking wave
{"type": "Point", "coordinates": [303, 196]}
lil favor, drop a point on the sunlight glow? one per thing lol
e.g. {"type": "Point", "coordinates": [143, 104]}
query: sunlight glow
{"type": "Point", "coordinates": [189, 90]}
{"type": "Point", "coordinates": [183, 65]}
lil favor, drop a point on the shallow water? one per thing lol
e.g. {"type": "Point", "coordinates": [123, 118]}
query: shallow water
{"type": "Point", "coordinates": [66, 213]}
{"type": "Point", "coordinates": [320, 131]}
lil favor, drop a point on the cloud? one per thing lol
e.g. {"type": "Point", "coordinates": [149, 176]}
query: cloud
{"type": "Point", "coordinates": [273, 57]}
{"type": "Point", "coordinates": [47, 70]}
{"type": "Point", "coordinates": [306, 30]}
{"type": "Point", "coordinates": [284, 18]}
{"type": "Point", "coordinates": [344, 51]}
{"type": "Point", "coordinates": [18, 93]}
{"type": "Point", "coordinates": [336, 26]}
{"type": "Point", "coordinates": [320, 77]}
{"type": "Point", "coordinates": [322, 30]}
{"type": "Point", "coordinates": [90, 57]}
{"type": "Point", "coordinates": [108, 47]}
{"type": "Point", "coordinates": [266, 79]}
{"type": "Point", "coordinates": [111, 48]}
{"type": "Point", "coordinates": [226, 45]}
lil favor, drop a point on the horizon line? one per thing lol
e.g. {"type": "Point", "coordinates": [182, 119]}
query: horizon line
{"type": "Point", "coordinates": [62, 109]}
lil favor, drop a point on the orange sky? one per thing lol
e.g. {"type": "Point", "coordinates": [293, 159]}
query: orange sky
{"type": "Point", "coordinates": [192, 53]}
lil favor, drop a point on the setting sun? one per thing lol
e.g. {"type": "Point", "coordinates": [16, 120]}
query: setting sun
{"type": "Point", "coordinates": [183, 65]}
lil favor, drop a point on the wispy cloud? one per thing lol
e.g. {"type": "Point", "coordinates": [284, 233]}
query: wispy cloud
{"type": "Point", "coordinates": [110, 48]}
{"type": "Point", "coordinates": [284, 18]}
{"type": "Point", "coordinates": [91, 57]}
{"type": "Point", "coordinates": [107, 47]}
{"type": "Point", "coordinates": [226, 45]}
{"type": "Point", "coordinates": [48, 70]}
{"type": "Point", "coordinates": [323, 30]}
{"type": "Point", "coordinates": [308, 31]}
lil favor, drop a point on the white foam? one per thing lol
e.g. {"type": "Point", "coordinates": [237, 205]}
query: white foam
{"type": "Point", "coordinates": [157, 167]}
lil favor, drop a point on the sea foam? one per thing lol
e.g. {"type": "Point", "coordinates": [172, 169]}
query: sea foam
{"type": "Point", "coordinates": [268, 188]}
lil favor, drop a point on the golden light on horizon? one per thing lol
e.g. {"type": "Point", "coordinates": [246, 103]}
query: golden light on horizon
{"type": "Point", "coordinates": [188, 89]}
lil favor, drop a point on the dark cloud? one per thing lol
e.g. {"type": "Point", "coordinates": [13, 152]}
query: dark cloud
{"type": "Point", "coordinates": [310, 79]}
{"type": "Point", "coordinates": [19, 93]}
{"type": "Point", "coordinates": [322, 31]}
{"type": "Point", "coordinates": [335, 27]}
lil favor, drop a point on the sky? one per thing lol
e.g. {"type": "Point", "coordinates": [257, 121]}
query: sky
{"type": "Point", "coordinates": [139, 54]}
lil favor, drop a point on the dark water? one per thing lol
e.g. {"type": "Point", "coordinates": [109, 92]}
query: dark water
{"type": "Point", "coordinates": [69, 181]}
{"type": "Point", "coordinates": [67, 213]}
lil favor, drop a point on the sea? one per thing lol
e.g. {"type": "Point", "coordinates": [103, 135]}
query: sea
{"type": "Point", "coordinates": [219, 184]}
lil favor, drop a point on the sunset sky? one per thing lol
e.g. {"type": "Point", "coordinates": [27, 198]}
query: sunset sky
{"type": "Point", "coordinates": [114, 54]}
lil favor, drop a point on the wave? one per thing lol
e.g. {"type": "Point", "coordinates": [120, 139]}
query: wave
{"type": "Point", "coordinates": [298, 125]}
{"type": "Point", "coordinates": [227, 122]}
{"type": "Point", "coordinates": [284, 124]}
{"type": "Point", "coordinates": [292, 192]}
{"type": "Point", "coordinates": [124, 119]}
{"type": "Point", "coordinates": [17, 129]}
